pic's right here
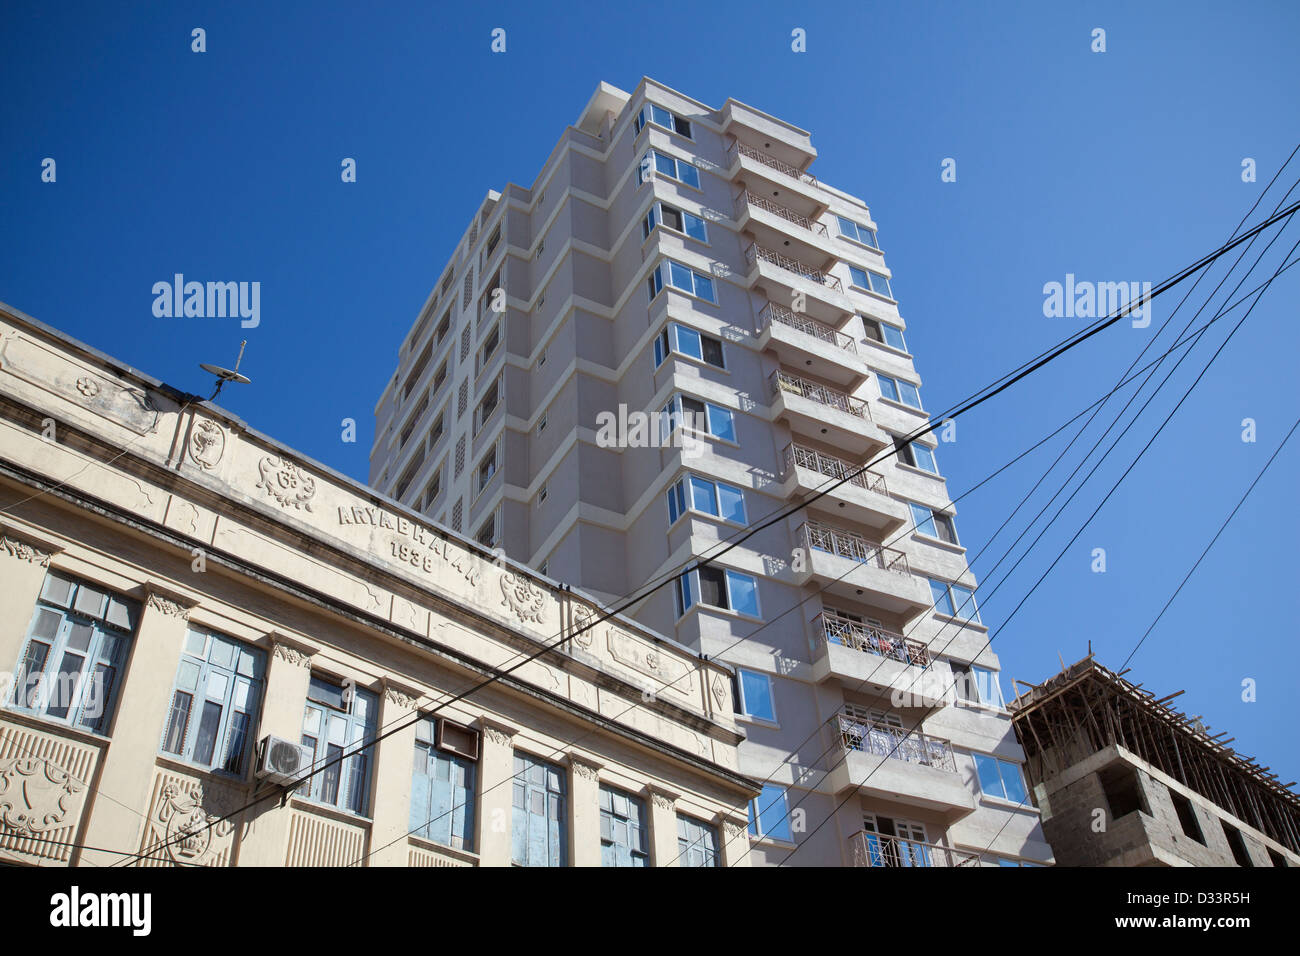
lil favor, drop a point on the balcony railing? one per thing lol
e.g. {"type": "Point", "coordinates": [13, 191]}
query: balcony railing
{"type": "Point", "coordinates": [789, 215]}
{"type": "Point", "coordinates": [771, 162]}
{"type": "Point", "coordinates": [801, 269]}
{"type": "Point", "coordinates": [870, 639]}
{"type": "Point", "coordinates": [882, 740]}
{"type": "Point", "coordinates": [783, 381]}
{"type": "Point", "coordinates": [876, 849]}
{"type": "Point", "coordinates": [819, 330]}
{"type": "Point", "coordinates": [797, 456]}
{"type": "Point", "coordinates": [851, 545]}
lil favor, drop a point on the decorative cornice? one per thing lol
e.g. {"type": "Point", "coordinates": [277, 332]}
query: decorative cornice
{"type": "Point", "coordinates": [497, 732]}
{"type": "Point", "coordinates": [290, 651]}
{"type": "Point", "coordinates": [401, 695]}
{"type": "Point", "coordinates": [24, 551]}
{"type": "Point", "coordinates": [168, 602]}
{"type": "Point", "coordinates": [663, 799]}
{"type": "Point", "coordinates": [584, 767]}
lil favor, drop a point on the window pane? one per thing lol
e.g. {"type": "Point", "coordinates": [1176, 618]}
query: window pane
{"type": "Point", "coordinates": [711, 587]}
{"type": "Point", "coordinates": [990, 779]}
{"type": "Point", "coordinates": [773, 817]}
{"type": "Point", "coordinates": [695, 227]}
{"type": "Point", "coordinates": [964, 598]}
{"type": "Point", "coordinates": [1012, 782]}
{"type": "Point", "coordinates": [880, 285]}
{"type": "Point", "coordinates": [720, 423]}
{"type": "Point", "coordinates": [990, 690]}
{"type": "Point", "coordinates": [731, 503]}
{"type": "Point", "coordinates": [688, 174]}
{"type": "Point", "coordinates": [209, 724]}
{"type": "Point", "coordinates": [925, 459]}
{"type": "Point", "coordinates": [666, 165]}
{"type": "Point", "coordinates": [688, 342]}
{"type": "Point", "coordinates": [923, 518]}
{"type": "Point", "coordinates": [177, 721]}
{"type": "Point", "coordinates": [702, 497]}
{"type": "Point", "coordinates": [756, 690]}
{"type": "Point", "coordinates": [63, 685]}
{"type": "Point", "coordinates": [910, 395]}
{"type": "Point", "coordinates": [90, 600]}
{"type": "Point", "coordinates": [859, 277]}
{"type": "Point", "coordinates": [893, 337]}
{"type": "Point", "coordinates": [57, 590]}
{"type": "Point", "coordinates": [680, 277]}
{"type": "Point", "coordinates": [939, 594]}
{"type": "Point", "coordinates": [661, 116]}
{"type": "Point", "coordinates": [237, 743]}
{"type": "Point", "coordinates": [847, 227]}
{"type": "Point", "coordinates": [704, 288]}
{"type": "Point", "coordinates": [887, 388]}
{"type": "Point", "coordinates": [331, 775]}
{"type": "Point", "coordinates": [744, 593]}
{"type": "Point", "coordinates": [672, 218]}
{"type": "Point", "coordinates": [29, 675]}
{"type": "Point", "coordinates": [713, 352]}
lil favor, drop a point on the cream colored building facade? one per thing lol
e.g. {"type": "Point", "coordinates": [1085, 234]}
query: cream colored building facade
{"type": "Point", "coordinates": [175, 587]}
{"type": "Point", "coordinates": [675, 255]}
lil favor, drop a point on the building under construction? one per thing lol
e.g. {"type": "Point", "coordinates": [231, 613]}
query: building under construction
{"type": "Point", "coordinates": [1123, 779]}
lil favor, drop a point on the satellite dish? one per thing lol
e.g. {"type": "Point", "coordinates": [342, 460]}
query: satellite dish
{"type": "Point", "coordinates": [225, 375]}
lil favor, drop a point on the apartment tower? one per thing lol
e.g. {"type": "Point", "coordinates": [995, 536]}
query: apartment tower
{"type": "Point", "coordinates": [674, 333]}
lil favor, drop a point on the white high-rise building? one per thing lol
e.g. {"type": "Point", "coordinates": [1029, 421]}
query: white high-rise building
{"type": "Point", "coordinates": [677, 271]}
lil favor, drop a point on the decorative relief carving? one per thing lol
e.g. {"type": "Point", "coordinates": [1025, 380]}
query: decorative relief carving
{"type": "Point", "coordinates": [584, 770]}
{"type": "Point", "coordinates": [673, 672]}
{"type": "Point", "coordinates": [35, 795]}
{"type": "Point", "coordinates": [207, 444]}
{"type": "Point", "coordinates": [719, 691]}
{"type": "Point", "coordinates": [292, 655]}
{"type": "Point", "coordinates": [734, 831]}
{"type": "Point", "coordinates": [526, 600]}
{"type": "Point", "coordinates": [584, 633]}
{"type": "Point", "coordinates": [88, 386]}
{"type": "Point", "coordinates": [400, 698]}
{"type": "Point", "coordinates": [662, 800]}
{"type": "Point", "coordinates": [286, 483]}
{"type": "Point", "coordinates": [496, 735]}
{"type": "Point", "coordinates": [187, 831]}
{"type": "Point", "coordinates": [24, 551]}
{"type": "Point", "coordinates": [168, 606]}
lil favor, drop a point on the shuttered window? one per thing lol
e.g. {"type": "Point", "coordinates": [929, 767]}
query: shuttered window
{"type": "Point", "coordinates": [537, 827]}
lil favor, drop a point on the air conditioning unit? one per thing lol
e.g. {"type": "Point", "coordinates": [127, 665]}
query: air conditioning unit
{"type": "Point", "coordinates": [282, 761]}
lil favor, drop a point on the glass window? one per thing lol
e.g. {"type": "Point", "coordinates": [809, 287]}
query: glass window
{"type": "Point", "coordinates": [923, 457]}
{"type": "Point", "coordinates": [215, 697]}
{"type": "Point", "coordinates": [537, 828]}
{"type": "Point", "coordinates": [769, 813]}
{"type": "Point", "coordinates": [677, 169]}
{"type": "Point", "coordinates": [963, 600]}
{"type": "Point", "coordinates": [888, 389]}
{"type": "Point", "coordinates": [442, 792]}
{"type": "Point", "coordinates": [923, 518]}
{"type": "Point", "coordinates": [704, 496]}
{"type": "Point", "coordinates": [857, 232]}
{"type": "Point", "coordinates": [680, 277]}
{"type": "Point", "coordinates": [939, 594]}
{"type": "Point", "coordinates": [624, 838]}
{"type": "Point", "coordinates": [77, 642]}
{"type": "Point", "coordinates": [893, 336]}
{"type": "Point", "coordinates": [1000, 778]}
{"type": "Point", "coordinates": [988, 687]}
{"type": "Point", "coordinates": [689, 342]}
{"type": "Point", "coordinates": [743, 592]}
{"type": "Point", "coordinates": [731, 503]}
{"type": "Point", "coordinates": [756, 695]}
{"type": "Point", "coordinates": [720, 423]}
{"type": "Point", "coordinates": [697, 843]}
{"type": "Point", "coordinates": [337, 719]}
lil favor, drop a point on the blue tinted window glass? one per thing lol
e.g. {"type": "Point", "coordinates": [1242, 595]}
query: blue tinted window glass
{"type": "Point", "coordinates": [695, 227]}
{"type": "Point", "coordinates": [756, 692]}
{"type": "Point", "coordinates": [744, 593]}
{"type": "Point", "coordinates": [880, 285]}
{"type": "Point", "coordinates": [893, 337]}
{"type": "Point", "coordinates": [773, 815]}
{"type": "Point", "coordinates": [909, 395]}
{"type": "Point", "coordinates": [990, 779]}
{"type": "Point", "coordinates": [939, 595]}
{"type": "Point", "coordinates": [887, 388]}
{"type": "Point", "coordinates": [925, 459]}
{"type": "Point", "coordinates": [720, 423]}
{"type": "Point", "coordinates": [704, 288]}
{"type": "Point", "coordinates": [688, 342]}
{"type": "Point", "coordinates": [702, 497]}
{"type": "Point", "coordinates": [859, 277]}
{"type": "Point", "coordinates": [680, 277]}
{"type": "Point", "coordinates": [923, 518]}
{"type": "Point", "coordinates": [964, 598]}
{"type": "Point", "coordinates": [731, 503]}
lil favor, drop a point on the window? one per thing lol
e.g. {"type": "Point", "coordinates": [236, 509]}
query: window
{"type": "Point", "coordinates": [656, 163]}
{"type": "Point", "coordinates": [443, 328]}
{"type": "Point", "coordinates": [682, 411]}
{"type": "Point", "coordinates": [916, 455]}
{"type": "Point", "coordinates": [487, 468]}
{"type": "Point", "coordinates": [1187, 817]}
{"type": "Point", "coordinates": [489, 347]}
{"type": "Point", "coordinates": [76, 644]}
{"type": "Point", "coordinates": [954, 600]}
{"type": "Point", "coordinates": [857, 232]}
{"type": "Point", "coordinates": [442, 788]}
{"type": "Point", "coordinates": [1121, 788]}
{"type": "Point", "coordinates": [623, 837]}
{"type": "Point", "coordinates": [879, 331]}
{"type": "Point", "coordinates": [661, 214]}
{"type": "Point", "coordinates": [686, 341]}
{"type": "Point", "coordinates": [769, 814]}
{"type": "Point", "coordinates": [537, 826]}
{"type": "Point", "coordinates": [431, 490]}
{"type": "Point", "coordinates": [717, 587]}
{"type": "Point", "coordinates": [438, 379]}
{"type": "Point", "coordinates": [896, 390]}
{"type": "Point", "coordinates": [487, 405]}
{"type": "Point", "coordinates": [1237, 843]}
{"type": "Point", "coordinates": [493, 240]}
{"type": "Point", "coordinates": [934, 523]}
{"type": "Point", "coordinates": [871, 281]}
{"type": "Point", "coordinates": [891, 842]}
{"type": "Point", "coordinates": [1000, 778]}
{"type": "Point", "coordinates": [697, 842]}
{"type": "Point", "coordinates": [707, 497]}
{"type": "Point", "coordinates": [987, 687]}
{"type": "Point", "coordinates": [650, 113]}
{"type": "Point", "coordinates": [417, 370]}
{"type": "Point", "coordinates": [215, 698]}
{"type": "Point", "coordinates": [487, 534]}
{"type": "Point", "coordinates": [338, 718]}
{"type": "Point", "coordinates": [435, 431]}
{"type": "Point", "coordinates": [756, 698]}
{"type": "Point", "coordinates": [683, 279]}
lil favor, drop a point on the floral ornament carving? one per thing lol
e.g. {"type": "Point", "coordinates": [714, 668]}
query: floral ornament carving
{"type": "Point", "coordinates": [496, 735]}
{"type": "Point", "coordinates": [186, 828]}
{"type": "Point", "coordinates": [525, 599]}
{"type": "Point", "coordinates": [662, 800]}
{"type": "Point", "coordinates": [207, 444]}
{"type": "Point", "coordinates": [400, 698]}
{"type": "Point", "coordinates": [168, 606]}
{"type": "Point", "coordinates": [286, 483]}
{"type": "Point", "coordinates": [88, 386]}
{"type": "Point", "coordinates": [35, 795]}
{"type": "Point", "coordinates": [583, 621]}
{"type": "Point", "coordinates": [292, 655]}
{"type": "Point", "coordinates": [584, 770]}
{"type": "Point", "coordinates": [24, 551]}
{"type": "Point", "coordinates": [733, 830]}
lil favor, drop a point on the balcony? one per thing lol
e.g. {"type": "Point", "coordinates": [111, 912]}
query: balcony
{"type": "Point", "coordinates": [783, 278]}
{"type": "Point", "coordinates": [843, 562]}
{"type": "Point", "coordinates": [876, 849]}
{"type": "Point", "coordinates": [738, 151]}
{"type": "Point", "coordinates": [775, 225]}
{"type": "Point", "coordinates": [819, 348]}
{"type": "Point", "coordinates": [863, 498]}
{"type": "Point", "coordinates": [891, 763]}
{"type": "Point", "coordinates": [755, 253]}
{"type": "Point", "coordinates": [882, 661]}
{"type": "Point", "coordinates": [826, 414]}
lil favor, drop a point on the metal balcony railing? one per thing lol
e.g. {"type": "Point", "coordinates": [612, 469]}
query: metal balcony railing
{"type": "Point", "coordinates": [801, 269]}
{"type": "Point", "coordinates": [789, 215]}
{"type": "Point", "coordinates": [783, 381]}
{"type": "Point", "coordinates": [819, 330]}
{"type": "Point", "coordinates": [797, 456]}
{"type": "Point", "coordinates": [870, 639]}
{"type": "Point", "coordinates": [876, 849]}
{"type": "Point", "coordinates": [771, 162]}
{"type": "Point", "coordinates": [882, 740]}
{"type": "Point", "coordinates": [849, 544]}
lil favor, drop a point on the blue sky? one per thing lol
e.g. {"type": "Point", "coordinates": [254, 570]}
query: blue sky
{"type": "Point", "coordinates": [1123, 165]}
